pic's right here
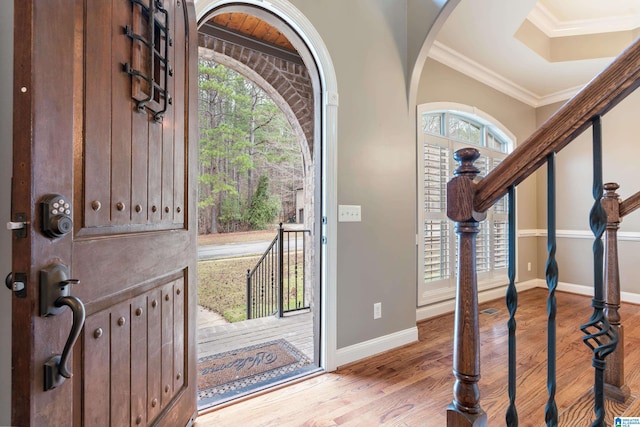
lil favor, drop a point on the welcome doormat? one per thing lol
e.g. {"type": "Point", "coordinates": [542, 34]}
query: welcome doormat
{"type": "Point", "coordinates": [224, 376]}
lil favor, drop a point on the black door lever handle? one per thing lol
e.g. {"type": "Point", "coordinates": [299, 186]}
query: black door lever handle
{"type": "Point", "coordinates": [55, 295]}
{"type": "Point", "coordinates": [77, 308]}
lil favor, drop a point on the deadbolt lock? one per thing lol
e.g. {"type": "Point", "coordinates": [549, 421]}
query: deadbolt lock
{"type": "Point", "coordinates": [56, 216]}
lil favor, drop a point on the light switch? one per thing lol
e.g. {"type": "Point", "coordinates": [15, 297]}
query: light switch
{"type": "Point", "coordinates": [349, 213]}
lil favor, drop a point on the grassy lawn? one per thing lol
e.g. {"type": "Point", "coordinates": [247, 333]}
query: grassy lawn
{"type": "Point", "coordinates": [222, 286]}
{"type": "Point", "coordinates": [222, 283]}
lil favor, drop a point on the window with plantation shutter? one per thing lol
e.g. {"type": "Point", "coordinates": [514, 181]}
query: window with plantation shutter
{"type": "Point", "coordinates": [436, 250]}
{"type": "Point", "coordinates": [441, 133]}
{"type": "Point", "coordinates": [436, 226]}
{"type": "Point", "coordinates": [501, 244]}
{"type": "Point", "coordinates": [483, 248]}
{"type": "Point", "coordinates": [436, 173]}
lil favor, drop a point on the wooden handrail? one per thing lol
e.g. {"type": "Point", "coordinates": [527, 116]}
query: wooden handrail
{"type": "Point", "coordinates": [608, 88]}
{"type": "Point", "coordinates": [629, 205]}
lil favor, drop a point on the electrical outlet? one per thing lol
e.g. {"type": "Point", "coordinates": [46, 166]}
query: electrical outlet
{"type": "Point", "coordinates": [528, 266]}
{"type": "Point", "coordinates": [377, 310]}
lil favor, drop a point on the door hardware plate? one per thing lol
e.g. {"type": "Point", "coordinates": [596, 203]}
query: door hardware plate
{"type": "Point", "coordinates": [52, 377]}
{"type": "Point", "coordinates": [53, 285]}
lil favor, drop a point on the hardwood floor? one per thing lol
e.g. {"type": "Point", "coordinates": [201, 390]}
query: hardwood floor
{"type": "Point", "coordinates": [412, 385]}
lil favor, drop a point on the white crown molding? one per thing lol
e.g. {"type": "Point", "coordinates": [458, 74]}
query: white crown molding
{"type": "Point", "coordinates": [471, 68]}
{"type": "Point", "coordinates": [559, 96]}
{"type": "Point", "coordinates": [547, 22]}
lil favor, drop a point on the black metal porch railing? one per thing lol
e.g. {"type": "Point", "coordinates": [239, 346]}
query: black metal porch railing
{"type": "Point", "coordinates": [277, 284]}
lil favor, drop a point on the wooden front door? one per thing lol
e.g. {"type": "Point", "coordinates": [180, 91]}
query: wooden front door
{"type": "Point", "coordinates": [105, 133]}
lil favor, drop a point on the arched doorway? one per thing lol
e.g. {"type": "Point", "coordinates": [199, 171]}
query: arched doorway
{"type": "Point", "coordinates": [313, 120]}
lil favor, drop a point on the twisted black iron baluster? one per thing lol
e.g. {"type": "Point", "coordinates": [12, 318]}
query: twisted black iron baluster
{"type": "Point", "coordinates": [249, 293]}
{"type": "Point", "coordinates": [599, 336]}
{"type": "Point", "coordinates": [551, 273]}
{"type": "Point", "coordinates": [512, 306]}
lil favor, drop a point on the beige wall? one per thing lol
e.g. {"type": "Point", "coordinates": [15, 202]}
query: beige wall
{"type": "Point", "coordinates": [6, 117]}
{"type": "Point", "coordinates": [574, 198]}
{"type": "Point", "coordinates": [376, 162]}
{"type": "Point", "coordinates": [440, 83]}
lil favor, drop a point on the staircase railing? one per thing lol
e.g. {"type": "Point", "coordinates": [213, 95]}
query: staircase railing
{"type": "Point", "coordinates": [277, 283]}
{"type": "Point", "coordinates": [614, 381]}
{"type": "Point", "coordinates": [468, 199]}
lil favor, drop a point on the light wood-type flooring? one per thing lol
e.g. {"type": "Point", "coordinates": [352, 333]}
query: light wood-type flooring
{"type": "Point", "coordinates": [412, 385]}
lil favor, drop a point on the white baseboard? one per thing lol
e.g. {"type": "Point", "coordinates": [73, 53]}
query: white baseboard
{"type": "Point", "coordinates": [570, 287]}
{"type": "Point", "coordinates": [372, 347]}
{"type": "Point", "coordinates": [628, 297]}
{"type": "Point", "coordinates": [444, 307]}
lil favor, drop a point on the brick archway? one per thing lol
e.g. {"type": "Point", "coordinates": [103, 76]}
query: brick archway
{"type": "Point", "coordinates": [286, 81]}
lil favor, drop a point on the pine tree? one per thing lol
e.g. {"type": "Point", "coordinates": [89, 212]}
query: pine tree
{"type": "Point", "coordinates": [243, 134]}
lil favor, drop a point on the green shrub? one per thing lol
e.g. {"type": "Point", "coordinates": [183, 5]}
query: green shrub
{"type": "Point", "coordinates": [263, 208]}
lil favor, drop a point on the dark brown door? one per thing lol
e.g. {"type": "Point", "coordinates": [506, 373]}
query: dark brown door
{"type": "Point", "coordinates": [105, 121]}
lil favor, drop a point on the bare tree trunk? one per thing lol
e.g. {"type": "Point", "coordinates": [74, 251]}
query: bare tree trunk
{"type": "Point", "coordinates": [252, 140]}
{"type": "Point", "coordinates": [214, 220]}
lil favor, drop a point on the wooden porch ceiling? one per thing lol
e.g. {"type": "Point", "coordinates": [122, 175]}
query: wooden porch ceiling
{"type": "Point", "coordinates": [252, 27]}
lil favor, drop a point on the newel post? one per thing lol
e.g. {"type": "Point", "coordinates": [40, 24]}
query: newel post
{"type": "Point", "coordinates": [465, 410]}
{"type": "Point", "coordinates": [614, 386]}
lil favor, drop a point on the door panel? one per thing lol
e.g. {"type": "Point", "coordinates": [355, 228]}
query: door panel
{"type": "Point", "coordinates": [115, 191]}
{"type": "Point", "coordinates": [96, 341]}
{"type": "Point", "coordinates": [137, 351]}
{"type": "Point", "coordinates": [139, 362]}
{"type": "Point", "coordinates": [120, 360]}
{"type": "Point", "coordinates": [121, 122]}
{"type": "Point", "coordinates": [96, 143]}
{"type": "Point", "coordinates": [81, 131]}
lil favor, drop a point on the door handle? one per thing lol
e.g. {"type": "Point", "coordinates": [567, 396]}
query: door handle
{"type": "Point", "coordinates": [55, 295]}
{"type": "Point", "coordinates": [77, 308]}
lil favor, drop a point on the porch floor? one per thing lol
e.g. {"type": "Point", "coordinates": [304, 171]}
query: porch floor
{"type": "Point", "coordinates": [215, 336]}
